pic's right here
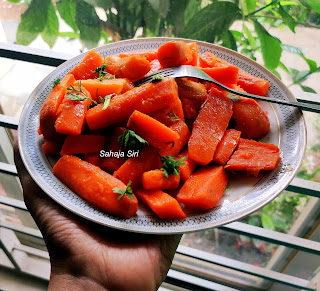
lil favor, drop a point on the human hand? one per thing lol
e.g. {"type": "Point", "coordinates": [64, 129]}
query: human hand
{"type": "Point", "coordinates": [85, 255]}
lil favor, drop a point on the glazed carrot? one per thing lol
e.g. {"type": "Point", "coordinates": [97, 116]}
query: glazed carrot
{"type": "Point", "coordinates": [48, 112]}
{"type": "Point", "coordinates": [149, 55]}
{"type": "Point", "coordinates": [102, 88]}
{"type": "Point", "coordinates": [191, 108]}
{"type": "Point", "coordinates": [204, 189]}
{"type": "Point", "coordinates": [209, 127]}
{"type": "Point", "coordinates": [146, 98]}
{"type": "Point", "coordinates": [82, 144]}
{"type": "Point", "coordinates": [133, 168]}
{"type": "Point", "coordinates": [252, 84]}
{"type": "Point", "coordinates": [194, 50]}
{"type": "Point", "coordinates": [161, 203]}
{"type": "Point", "coordinates": [133, 67]}
{"type": "Point", "coordinates": [155, 66]}
{"type": "Point", "coordinates": [226, 146]}
{"type": "Point", "coordinates": [85, 70]}
{"type": "Point", "coordinates": [95, 186]}
{"type": "Point", "coordinates": [251, 119]}
{"type": "Point", "coordinates": [187, 168]}
{"type": "Point", "coordinates": [150, 129]}
{"type": "Point", "coordinates": [174, 53]}
{"type": "Point", "coordinates": [226, 75]}
{"type": "Point", "coordinates": [113, 163]}
{"type": "Point", "coordinates": [93, 159]}
{"type": "Point", "coordinates": [71, 114]}
{"type": "Point", "coordinates": [52, 148]}
{"type": "Point", "coordinates": [253, 156]}
{"type": "Point", "coordinates": [210, 60]}
{"type": "Point", "coordinates": [155, 179]}
{"type": "Point", "coordinates": [191, 90]}
{"type": "Point", "coordinates": [128, 85]}
{"type": "Point", "coordinates": [111, 61]}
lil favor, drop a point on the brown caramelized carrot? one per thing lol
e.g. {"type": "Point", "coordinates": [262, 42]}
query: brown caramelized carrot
{"type": "Point", "coordinates": [155, 179]}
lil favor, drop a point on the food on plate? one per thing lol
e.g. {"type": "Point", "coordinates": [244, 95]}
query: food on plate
{"type": "Point", "coordinates": [169, 144]}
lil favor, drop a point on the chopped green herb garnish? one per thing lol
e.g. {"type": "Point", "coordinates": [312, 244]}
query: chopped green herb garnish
{"type": "Point", "coordinates": [204, 103]}
{"type": "Point", "coordinates": [78, 94]}
{"type": "Point", "coordinates": [107, 100]}
{"type": "Point", "coordinates": [127, 192]}
{"type": "Point", "coordinates": [172, 115]}
{"type": "Point", "coordinates": [165, 58]}
{"type": "Point", "coordinates": [233, 97]}
{"type": "Point", "coordinates": [129, 140]}
{"type": "Point", "coordinates": [157, 78]}
{"type": "Point", "coordinates": [102, 72]}
{"type": "Point", "coordinates": [259, 121]}
{"type": "Point", "coordinates": [56, 82]}
{"type": "Point", "coordinates": [171, 165]}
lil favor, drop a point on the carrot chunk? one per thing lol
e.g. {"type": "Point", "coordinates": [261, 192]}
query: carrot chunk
{"type": "Point", "coordinates": [133, 67]}
{"type": "Point", "coordinates": [209, 127]}
{"type": "Point", "coordinates": [155, 179]}
{"type": "Point", "coordinates": [82, 144]}
{"type": "Point", "coordinates": [252, 84]}
{"type": "Point", "coordinates": [93, 159]}
{"type": "Point", "coordinates": [95, 186]}
{"type": "Point", "coordinates": [187, 168]}
{"type": "Point", "coordinates": [85, 70]}
{"type": "Point", "coordinates": [128, 85]}
{"type": "Point", "coordinates": [191, 90]}
{"type": "Point", "coordinates": [174, 53]}
{"type": "Point", "coordinates": [204, 189]}
{"type": "Point", "coordinates": [226, 146]}
{"type": "Point", "coordinates": [111, 61]}
{"type": "Point", "coordinates": [194, 50]}
{"type": "Point", "coordinates": [51, 148]}
{"type": "Point", "coordinates": [149, 55]}
{"type": "Point", "coordinates": [161, 203]}
{"type": "Point", "coordinates": [226, 75]}
{"type": "Point", "coordinates": [210, 60]}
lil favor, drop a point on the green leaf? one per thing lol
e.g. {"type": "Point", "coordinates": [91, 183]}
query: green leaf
{"type": "Point", "coordinates": [299, 76]}
{"type": "Point", "coordinates": [160, 6]}
{"type": "Point", "coordinates": [33, 21]}
{"type": "Point", "coordinates": [283, 67]}
{"type": "Point", "coordinates": [307, 89]}
{"type": "Point", "coordinates": [229, 41]}
{"type": "Point", "coordinates": [254, 220]}
{"type": "Point", "coordinates": [267, 222]}
{"type": "Point", "coordinates": [14, 1]}
{"type": "Point", "coordinates": [51, 30]}
{"type": "Point", "coordinates": [105, 4]}
{"type": "Point", "coordinates": [279, 223]}
{"type": "Point", "coordinates": [171, 165]}
{"type": "Point", "coordinates": [211, 21]}
{"type": "Point", "coordinates": [175, 15]}
{"type": "Point", "coordinates": [151, 18]}
{"type": "Point", "coordinates": [313, 4]}
{"type": "Point", "coordinates": [249, 6]}
{"type": "Point", "coordinates": [88, 23]}
{"type": "Point", "coordinates": [250, 38]}
{"type": "Point", "coordinates": [192, 8]}
{"type": "Point", "coordinates": [288, 17]}
{"type": "Point", "coordinates": [129, 140]}
{"type": "Point", "coordinates": [270, 47]}
{"type": "Point", "coordinates": [127, 192]}
{"type": "Point", "coordinates": [67, 11]}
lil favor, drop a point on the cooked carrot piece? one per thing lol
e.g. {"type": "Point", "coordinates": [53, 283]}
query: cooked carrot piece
{"type": "Point", "coordinates": [149, 55]}
{"type": "Point", "coordinates": [251, 119]}
{"type": "Point", "coordinates": [187, 168]}
{"type": "Point", "coordinates": [155, 179]}
{"type": "Point", "coordinates": [194, 50]}
{"type": "Point", "coordinates": [191, 108]}
{"type": "Point", "coordinates": [48, 112]}
{"type": "Point", "coordinates": [191, 90]}
{"type": "Point", "coordinates": [174, 53]}
{"type": "Point", "coordinates": [133, 168]}
{"type": "Point", "coordinates": [204, 189]}
{"type": "Point", "coordinates": [150, 129]}
{"type": "Point", "coordinates": [128, 85]}
{"type": "Point", "coordinates": [161, 203]}
{"type": "Point", "coordinates": [113, 163]}
{"type": "Point", "coordinates": [133, 67]}
{"type": "Point", "coordinates": [95, 186]}
{"type": "Point", "coordinates": [252, 84]}
{"type": "Point", "coordinates": [85, 70]}
{"type": "Point", "coordinates": [93, 159]}
{"type": "Point", "coordinates": [102, 88]}
{"type": "Point", "coordinates": [111, 61]}
{"type": "Point", "coordinates": [71, 114]}
{"type": "Point", "coordinates": [253, 156]}
{"type": "Point", "coordinates": [210, 60]}
{"type": "Point", "coordinates": [82, 144]}
{"type": "Point", "coordinates": [52, 147]}
{"type": "Point", "coordinates": [226, 75]}
{"type": "Point", "coordinates": [226, 146]}
{"type": "Point", "coordinates": [155, 66]}
{"type": "Point", "coordinates": [209, 127]}
{"type": "Point", "coordinates": [146, 98]}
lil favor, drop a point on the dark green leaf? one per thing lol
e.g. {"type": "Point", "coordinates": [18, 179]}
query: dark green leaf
{"type": "Point", "coordinates": [129, 140]}
{"type": "Point", "coordinates": [175, 15]}
{"type": "Point", "coordinates": [51, 30]}
{"type": "Point", "coordinates": [279, 223]}
{"type": "Point", "coordinates": [171, 165]}
{"type": "Point", "coordinates": [254, 220]}
{"type": "Point", "coordinates": [67, 11]}
{"type": "Point", "coordinates": [33, 21]}
{"type": "Point", "coordinates": [249, 6]}
{"type": "Point", "coordinates": [267, 222]}
{"type": "Point", "coordinates": [151, 18]}
{"type": "Point", "coordinates": [229, 41]}
{"type": "Point", "coordinates": [105, 4]}
{"type": "Point", "coordinates": [307, 89]}
{"type": "Point", "coordinates": [313, 4]}
{"type": "Point", "coordinates": [160, 6]}
{"type": "Point", "coordinates": [192, 8]}
{"type": "Point", "coordinates": [287, 16]}
{"type": "Point", "coordinates": [250, 38]}
{"type": "Point", "coordinates": [283, 67]}
{"type": "Point", "coordinates": [14, 1]}
{"type": "Point", "coordinates": [299, 76]}
{"type": "Point", "coordinates": [287, 213]}
{"type": "Point", "coordinates": [127, 192]}
{"type": "Point", "coordinates": [88, 23]}
{"type": "Point", "coordinates": [270, 47]}
{"type": "Point", "coordinates": [211, 21]}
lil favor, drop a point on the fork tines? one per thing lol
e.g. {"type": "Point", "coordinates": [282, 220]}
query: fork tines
{"type": "Point", "coordinates": [164, 73]}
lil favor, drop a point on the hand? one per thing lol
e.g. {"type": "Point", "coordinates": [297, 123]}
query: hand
{"type": "Point", "coordinates": [85, 255]}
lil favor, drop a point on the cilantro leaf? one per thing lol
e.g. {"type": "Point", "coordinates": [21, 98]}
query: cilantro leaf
{"type": "Point", "coordinates": [171, 165]}
{"type": "Point", "coordinates": [157, 78]}
{"type": "Point", "coordinates": [121, 193]}
{"type": "Point", "coordinates": [56, 82]}
{"type": "Point", "coordinates": [129, 140]}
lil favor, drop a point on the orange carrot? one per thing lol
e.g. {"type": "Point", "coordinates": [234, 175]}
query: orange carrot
{"type": "Point", "coordinates": [146, 98]}
{"type": "Point", "coordinates": [204, 189]}
{"type": "Point", "coordinates": [155, 179]}
{"type": "Point", "coordinates": [48, 112]}
{"type": "Point", "coordinates": [93, 159]}
{"type": "Point", "coordinates": [226, 146]}
{"type": "Point", "coordinates": [111, 61]}
{"type": "Point", "coordinates": [194, 50]}
{"type": "Point", "coordinates": [149, 55]}
{"type": "Point", "coordinates": [161, 203]}
{"type": "Point", "coordinates": [95, 186]}
{"type": "Point", "coordinates": [187, 168]}
{"type": "Point", "coordinates": [209, 127]}
{"type": "Point", "coordinates": [133, 67]}
{"type": "Point", "coordinates": [52, 148]}
{"type": "Point", "coordinates": [155, 66]}
{"type": "Point", "coordinates": [133, 168]}
{"type": "Point", "coordinates": [128, 85]}
{"type": "Point", "coordinates": [252, 84]}
{"type": "Point", "coordinates": [191, 90]}
{"type": "Point", "coordinates": [226, 75]}
{"type": "Point", "coordinates": [210, 60]}
{"type": "Point", "coordinates": [191, 108]}
{"type": "Point", "coordinates": [174, 53]}
{"type": "Point", "coordinates": [82, 144]}
{"type": "Point", "coordinates": [150, 129]}
{"type": "Point", "coordinates": [85, 70]}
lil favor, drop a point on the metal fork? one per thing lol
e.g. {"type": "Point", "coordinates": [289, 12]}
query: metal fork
{"type": "Point", "coordinates": [193, 72]}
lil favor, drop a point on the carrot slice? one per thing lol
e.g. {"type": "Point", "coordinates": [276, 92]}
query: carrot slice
{"type": "Point", "coordinates": [226, 75]}
{"type": "Point", "coordinates": [155, 179]}
{"type": "Point", "coordinates": [48, 112]}
{"type": "Point", "coordinates": [204, 189]}
{"type": "Point", "coordinates": [133, 67]}
{"type": "Point", "coordinates": [226, 146]}
{"type": "Point", "coordinates": [191, 90]}
{"type": "Point", "coordinates": [187, 168]}
{"type": "Point", "coordinates": [209, 127]}
{"type": "Point", "coordinates": [194, 50]}
{"type": "Point", "coordinates": [52, 148]}
{"type": "Point", "coordinates": [252, 84]}
{"type": "Point", "coordinates": [149, 55]}
{"type": "Point", "coordinates": [161, 203]}
{"type": "Point", "coordinates": [128, 85]}
{"type": "Point", "coordinates": [85, 70]}
{"type": "Point", "coordinates": [155, 66]}
{"type": "Point", "coordinates": [151, 129]}
{"type": "Point", "coordinates": [174, 53]}
{"type": "Point", "coordinates": [93, 159]}
{"type": "Point", "coordinates": [191, 108]}
{"type": "Point", "coordinates": [146, 98]}
{"type": "Point", "coordinates": [82, 144]}
{"type": "Point", "coordinates": [111, 61]}
{"type": "Point", "coordinates": [95, 186]}
{"type": "Point", "coordinates": [210, 60]}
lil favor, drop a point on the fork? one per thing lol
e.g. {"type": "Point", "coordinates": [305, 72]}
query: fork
{"type": "Point", "coordinates": [193, 72]}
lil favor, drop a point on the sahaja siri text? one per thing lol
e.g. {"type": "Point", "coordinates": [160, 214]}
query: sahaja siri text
{"type": "Point", "coordinates": [119, 154]}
